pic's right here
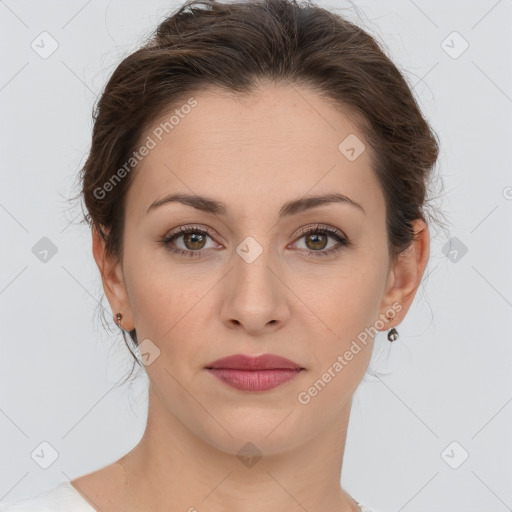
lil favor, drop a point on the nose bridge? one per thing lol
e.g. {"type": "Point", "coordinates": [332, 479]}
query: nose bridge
{"type": "Point", "coordinates": [256, 293]}
{"type": "Point", "coordinates": [254, 261]}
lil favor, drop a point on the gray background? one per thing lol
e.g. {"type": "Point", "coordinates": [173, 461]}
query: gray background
{"type": "Point", "coordinates": [442, 390]}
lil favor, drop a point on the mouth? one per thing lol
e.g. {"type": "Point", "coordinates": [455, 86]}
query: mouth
{"type": "Point", "coordinates": [254, 373]}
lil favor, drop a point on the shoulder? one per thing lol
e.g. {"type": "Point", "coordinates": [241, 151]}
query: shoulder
{"type": "Point", "coordinates": [62, 497]}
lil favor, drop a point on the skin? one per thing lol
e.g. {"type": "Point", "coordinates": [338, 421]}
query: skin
{"type": "Point", "coordinates": [254, 153]}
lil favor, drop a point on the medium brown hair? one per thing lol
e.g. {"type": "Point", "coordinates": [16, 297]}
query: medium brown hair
{"type": "Point", "coordinates": [237, 46]}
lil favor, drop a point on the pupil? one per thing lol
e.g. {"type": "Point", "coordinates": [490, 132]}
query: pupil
{"type": "Point", "coordinates": [315, 241]}
{"type": "Point", "coordinates": [195, 238]}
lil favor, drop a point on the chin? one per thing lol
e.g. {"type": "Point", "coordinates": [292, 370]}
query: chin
{"type": "Point", "coordinates": [264, 432]}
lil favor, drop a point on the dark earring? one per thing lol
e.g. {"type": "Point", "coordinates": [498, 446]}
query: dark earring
{"type": "Point", "coordinates": [119, 317]}
{"type": "Point", "coordinates": [392, 334]}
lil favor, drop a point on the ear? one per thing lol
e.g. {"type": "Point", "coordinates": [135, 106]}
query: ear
{"type": "Point", "coordinates": [113, 281]}
{"type": "Point", "coordinates": [405, 276]}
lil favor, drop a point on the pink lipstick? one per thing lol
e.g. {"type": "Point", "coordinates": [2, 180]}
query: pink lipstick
{"type": "Point", "coordinates": [254, 373]}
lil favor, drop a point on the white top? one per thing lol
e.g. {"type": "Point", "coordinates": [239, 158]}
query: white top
{"type": "Point", "coordinates": [62, 498]}
{"type": "Point", "coordinates": [65, 498]}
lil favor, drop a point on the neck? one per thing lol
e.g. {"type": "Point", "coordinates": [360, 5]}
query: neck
{"type": "Point", "coordinates": [172, 468]}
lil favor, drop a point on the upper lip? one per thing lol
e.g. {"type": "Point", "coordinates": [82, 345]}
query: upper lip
{"type": "Point", "coordinates": [261, 362]}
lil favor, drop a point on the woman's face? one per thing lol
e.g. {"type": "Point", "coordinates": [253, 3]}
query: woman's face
{"type": "Point", "coordinates": [254, 283]}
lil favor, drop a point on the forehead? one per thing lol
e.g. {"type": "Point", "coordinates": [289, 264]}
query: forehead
{"type": "Point", "coordinates": [277, 143]}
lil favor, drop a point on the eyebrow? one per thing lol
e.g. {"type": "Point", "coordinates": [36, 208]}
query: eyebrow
{"type": "Point", "coordinates": [209, 205]}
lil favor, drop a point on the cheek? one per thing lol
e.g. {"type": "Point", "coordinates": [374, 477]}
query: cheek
{"type": "Point", "coordinates": [149, 291]}
{"type": "Point", "coordinates": [166, 298]}
{"type": "Point", "coordinates": [342, 351]}
{"type": "Point", "coordinates": [351, 294]}
{"type": "Point", "coordinates": [346, 312]}
{"type": "Point", "coordinates": [162, 309]}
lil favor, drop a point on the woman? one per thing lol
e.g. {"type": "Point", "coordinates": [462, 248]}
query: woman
{"type": "Point", "coordinates": [256, 191]}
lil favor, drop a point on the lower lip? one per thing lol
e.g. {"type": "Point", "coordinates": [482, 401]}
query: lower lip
{"type": "Point", "coordinates": [254, 380]}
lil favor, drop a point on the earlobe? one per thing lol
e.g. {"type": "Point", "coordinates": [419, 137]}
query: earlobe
{"type": "Point", "coordinates": [406, 274]}
{"type": "Point", "coordinates": [113, 281]}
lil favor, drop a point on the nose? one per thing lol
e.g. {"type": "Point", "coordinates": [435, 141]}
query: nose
{"type": "Point", "coordinates": [255, 299]}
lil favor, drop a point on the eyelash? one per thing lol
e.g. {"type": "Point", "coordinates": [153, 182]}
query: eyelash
{"type": "Point", "coordinates": [318, 229]}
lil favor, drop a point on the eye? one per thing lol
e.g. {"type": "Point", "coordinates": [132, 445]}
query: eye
{"type": "Point", "coordinates": [194, 240]}
{"type": "Point", "coordinates": [193, 237]}
{"type": "Point", "coordinates": [316, 239]}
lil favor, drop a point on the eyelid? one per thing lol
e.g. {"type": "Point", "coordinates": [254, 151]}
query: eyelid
{"type": "Point", "coordinates": [321, 227]}
{"type": "Point", "coordinates": [302, 231]}
{"type": "Point", "coordinates": [189, 227]}
{"type": "Point", "coordinates": [342, 241]}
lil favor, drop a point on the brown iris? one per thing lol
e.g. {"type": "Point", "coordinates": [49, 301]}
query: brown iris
{"type": "Point", "coordinates": [194, 238]}
{"type": "Point", "coordinates": [316, 244]}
